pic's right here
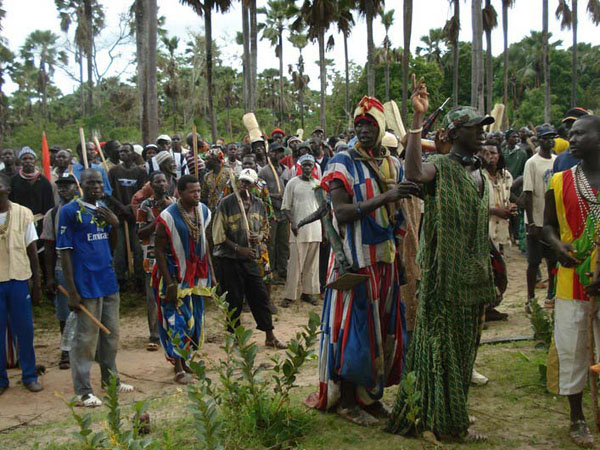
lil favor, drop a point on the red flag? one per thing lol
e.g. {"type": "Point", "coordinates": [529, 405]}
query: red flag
{"type": "Point", "coordinates": [45, 156]}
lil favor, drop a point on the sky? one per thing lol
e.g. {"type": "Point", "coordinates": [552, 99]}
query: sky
{"type": "Point", "coordinates": [525, 16]}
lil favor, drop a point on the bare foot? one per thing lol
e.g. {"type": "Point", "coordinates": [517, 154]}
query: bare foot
{"type": "Point", "coordinates": [357, 415]}
{"type": "Point", "coordinates": [581, 434]}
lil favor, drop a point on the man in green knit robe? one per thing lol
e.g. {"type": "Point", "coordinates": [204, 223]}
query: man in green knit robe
{"type": "Point", "coordinates": [456, 274]}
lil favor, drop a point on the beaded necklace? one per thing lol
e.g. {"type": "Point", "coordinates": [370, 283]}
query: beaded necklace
{"type": "Point", "coordinates": [587, 201]}
{"type": "Point", "coordinates": [191, 222]}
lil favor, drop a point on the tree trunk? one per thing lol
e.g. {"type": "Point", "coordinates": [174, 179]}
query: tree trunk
{"type": "Point", "coordinates": [253, 54]}
{"type": "Point", "coordinates": [407, 17]}
{"type": "Point", "coordinates": [347, 83]}
{"type": "Point", "coordinates": [370, 49]}
{"type": "Point", "coordinates": [489, 75]}
{"type": "Point", "coordinates": [477, 56]}
{"type": "Point", "coordinates": [322, 76]}
{"type": "Point", "coordinates": [89, 53]}
{"type": "Point", "coordinates": [152, 96]}
{"type": "Point", "coordinates": [505, 56]}
{"type": "Point", "coordinates": [574, 56]}
{"type": "Point", "coordinates": [546, 61]}
{"type": "Point", "coordinates": [246, 88]}
{"type": "Point", "coordinates": [455, 51]}
{"type": "Point", "coordinates": [209, 67]}
{"type": "Point", "coordinates": [141, 41]}
{"type": "Point", "coordinates": [280, 30]}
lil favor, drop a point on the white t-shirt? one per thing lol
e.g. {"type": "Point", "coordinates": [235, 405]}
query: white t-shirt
{"type": "Point", "coordinates": [536, 176]}
{"type": "Point", "coordinates": [299, 198]}
{"type": "Point", "coordinates": [30, 233]}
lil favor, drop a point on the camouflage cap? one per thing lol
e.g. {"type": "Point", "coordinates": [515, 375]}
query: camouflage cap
{"type": "Point", "coordinates": [465, 116]}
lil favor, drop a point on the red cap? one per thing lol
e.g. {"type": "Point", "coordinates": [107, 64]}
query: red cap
{"type": "Point", "coordinates": [277, 130]}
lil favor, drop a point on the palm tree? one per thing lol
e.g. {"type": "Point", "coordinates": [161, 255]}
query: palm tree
{"type": "Point", "coordinates": [490, 21]}
{"type": "Point", "coordinates": [318, 15]}
{"type": "Point", "coordinates": [6, 59]}
{"type": "Point", "coordinates": [407, 20]}
{"type": "Point", "coordinates": [146, 31]}
{"type": "Point", "coordinates": [299, 40]}
{"type": "Point", "coordinates": [477, 56]}
{"type": "Point", "coordinates": [451, 30]}
{"type": "Point", "coordinates": [278, 12]}
{"type": "Point", "coordinates": [245, 42]}
{"type": "Point", "coordinates": [171, 87]}
{"type": "Point", "coordinates": [205, 9]}
{"type": "Point", "coordinates": [506, 4]}
{"type": "Point", "coordinates": [568, 17]}
{"type": "Point", "coordinates": [40, 50]}
{"type": "Point", "coordinates": [387, 19]}
{"type": "Point", "coordinates": [89, 17]}
{"type": "Point", "coordinates": [345, 22]}
{"type": "Point", "coordinates": [432, 50]}
{"type": "Point", "coordinates": [546, 61]}
{"type": "Point", "coordinates": [253, 53]}
{"type": "Point", "coordinates": [369, 9]}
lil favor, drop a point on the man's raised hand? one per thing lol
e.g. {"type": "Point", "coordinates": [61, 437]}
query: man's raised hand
{"type": "Point", "coordinates": [420, 96]}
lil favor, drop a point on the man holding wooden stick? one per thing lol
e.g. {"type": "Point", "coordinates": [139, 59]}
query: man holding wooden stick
{"type": "Point", "coordinates": [87, 233]}
{"type": "Point", "coordinates": [571, 227]}
{"type": "Point", "coordinates": [239, 227]}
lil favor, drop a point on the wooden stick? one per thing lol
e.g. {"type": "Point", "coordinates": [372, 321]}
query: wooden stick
{"type": "Point", "coordinates": [279, 189]}
{"type": "Point", "coordinates": [591, 341]}
{"type": "Point", "coordinates": [97, 144]}
{"type": "Point", "coordinates": [129, 252]}
{"type": "Point", "coordinates": [195, 150]}
{"type": "Point", "coordinates": [86, 312]}
{"type": "Point", "coordinates": [83, 149]}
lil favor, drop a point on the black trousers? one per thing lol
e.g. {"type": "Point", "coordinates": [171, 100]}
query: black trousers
{"type": "Point", "coordinates": [241, 278]}
{"type": "Point", "coordinates": [324, 249]}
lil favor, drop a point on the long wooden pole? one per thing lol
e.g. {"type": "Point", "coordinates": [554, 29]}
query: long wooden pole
{"type": "Point", "coordinates": [86, 312]}
{"type": "Point", "coordinates": [97, 144]}
{"type": "Point", "coordinates": [83, 149]}
{"type": "Point", "coordinates": [128, 247]}
{"type": "Point", "coordinates": [195, 150]}
{"type": "Point", "coordinates": [245, 223]}
{"type": "Point", "coordinates": [591, 341]}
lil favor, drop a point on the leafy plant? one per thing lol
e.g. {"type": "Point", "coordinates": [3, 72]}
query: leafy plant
{"type": "Point", "coordinates": [85, 436]}
{"type": "Point", "coordinates": [411, 407]}
{"type": "Point", "coordinates": [542, 323]}
{"type": "Point", "coordinates": [246, 409]}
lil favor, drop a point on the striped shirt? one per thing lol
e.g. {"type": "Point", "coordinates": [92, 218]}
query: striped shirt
{"type": "Point", "coordinates": [371, 239]}
{"type": "Point", "coordinates": [571, 225]}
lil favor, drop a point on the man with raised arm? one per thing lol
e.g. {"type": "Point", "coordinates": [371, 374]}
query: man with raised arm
{"type": "Point", "coordinates": [456, 280]}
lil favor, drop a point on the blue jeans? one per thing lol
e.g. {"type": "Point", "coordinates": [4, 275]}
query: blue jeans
{"type": "Point", "coordinates": [15, 307]}
{"type": "Point", "coordinates": [61, 304]}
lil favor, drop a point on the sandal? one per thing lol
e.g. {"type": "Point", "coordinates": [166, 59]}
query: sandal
{"type": "Point", "coordinates": [286, 302]}
{"type": "Point", "coordinates": [88, 401]}
{"type": "Point", "coordinates": [581, 434]}
{"type": "Point", "coordinates": [276, 344]}
{"type": "Point", "coordinates": [125, 388]}
{"type": "Point", "coordinates": [357, 415]}
{"type": "Point", "coordinates": [152, 346]}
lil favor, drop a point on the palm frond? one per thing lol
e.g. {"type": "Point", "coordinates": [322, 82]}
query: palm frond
{"type": "Point", "coordinates": [563, 12]}
{"type": "Point", "coordinates": [490, 17]}
{"type": "Point", "coordinates": [593, 8]}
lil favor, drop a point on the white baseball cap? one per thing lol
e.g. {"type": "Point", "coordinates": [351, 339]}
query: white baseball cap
{"type": "Point", "coordinates": [163, 137]}
{"type": "Point", "coordinates": [249, 175]}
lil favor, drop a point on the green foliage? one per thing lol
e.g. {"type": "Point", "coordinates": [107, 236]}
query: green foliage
{"type": "Point", "coordinates": [412, 404]}
{"type": "Point", "coordinates": [542, 323]}
{"type": "Point", "coordinates": [113, 436]}
{"type": "Point", "coordinates": [247, 409]}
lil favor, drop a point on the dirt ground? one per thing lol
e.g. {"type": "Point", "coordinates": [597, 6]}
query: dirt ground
{"type": "Point", "coordinates": [152, 376]}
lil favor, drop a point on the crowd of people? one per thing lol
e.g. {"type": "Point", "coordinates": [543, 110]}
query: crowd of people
{"type": "Point", "coordinates": [403, 249]}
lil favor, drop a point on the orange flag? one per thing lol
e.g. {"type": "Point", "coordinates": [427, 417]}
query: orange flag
{"type": "Point", "coordinates": [45, 156]}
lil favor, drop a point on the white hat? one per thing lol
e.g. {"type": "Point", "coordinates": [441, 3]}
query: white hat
{"type": "Point", "coordinates": [138, 149]}
{"type": "Point", "coordinates": [389, 140]}
{"type": "Point", "coordinates": [249, 175]}
{"type": "Point", "coordinates": [163, 137]}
